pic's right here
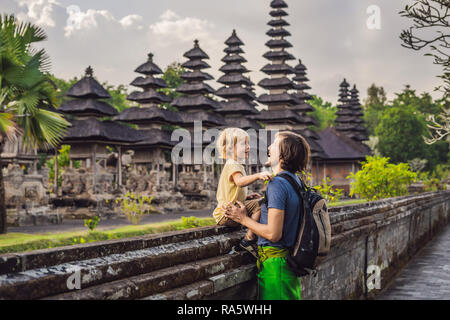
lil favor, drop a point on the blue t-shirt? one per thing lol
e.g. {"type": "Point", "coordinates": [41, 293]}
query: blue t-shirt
{"type": "Point", "coordinates": [281, 195]}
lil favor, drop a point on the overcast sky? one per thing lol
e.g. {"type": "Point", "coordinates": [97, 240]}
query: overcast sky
{"type": "Point", "coordinates": [330, 36]}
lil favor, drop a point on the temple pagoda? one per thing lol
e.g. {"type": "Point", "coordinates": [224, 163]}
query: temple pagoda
{"type": "Point", "coordinates": [279, 101]}
{"type": "Point", "coordinates": [303, 108]}
{"type": "Point", "coordinates": [237, 89]}
{"type": "Point", "coordinates": [154, 122]}
{"type": "Point", "coordinates": [358, 114]}
{"type": "Point", "coordinates": [349, 121]}
{"type": "Point", "coordinates": [195, 104]}
{"type": "Point", "coordinates": [88, 136]}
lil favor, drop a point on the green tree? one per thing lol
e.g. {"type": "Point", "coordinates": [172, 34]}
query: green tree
{"type": "Point", "coordinates": [402, 127]}
{"type": "Point", "coordinates": [26, 93]}
{"type": "Point", "coordinates": [373, 107]}
{"type": "Point", "coordinates": [118, 96]}
{"type": "Point", "coordinates": [324, 112]}
{"type": "Point", "coordinates": [379, 179]}
{"type": "Point", "coordinates": [172, 76]}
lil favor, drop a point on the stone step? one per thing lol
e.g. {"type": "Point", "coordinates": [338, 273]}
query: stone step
{"type": "Point", "coordinates": [212, 286]}
{"type": "Point", "coordinates": [159, 281]}
{"type": "Point", "coordinates": [10, 263]}
{"type": "Point", "coordinates": [49, 281]}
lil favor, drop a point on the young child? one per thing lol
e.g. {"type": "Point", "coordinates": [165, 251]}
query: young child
{"type": "Point", "coordinates": [233, 146]}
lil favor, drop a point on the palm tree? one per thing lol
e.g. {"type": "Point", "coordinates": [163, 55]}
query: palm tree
{"type": "Point", "coordinates": [26, 94]}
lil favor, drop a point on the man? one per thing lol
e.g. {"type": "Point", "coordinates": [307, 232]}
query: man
{"type": "Point", "coordinates": [276, 230]}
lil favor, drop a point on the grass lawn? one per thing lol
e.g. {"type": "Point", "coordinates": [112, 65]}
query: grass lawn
{"type": "Point", "coordinates": [19, 242]}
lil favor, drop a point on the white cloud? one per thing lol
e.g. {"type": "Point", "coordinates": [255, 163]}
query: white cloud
{"type": "Point", "coordinates": [38, 11]}
{"type": "Point", "coordinates": [173, 29]}
{"type": "Point", "coordinates": [132, 21]}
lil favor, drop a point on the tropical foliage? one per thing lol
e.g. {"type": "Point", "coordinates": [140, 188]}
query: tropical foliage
{"type": "Point", "coordinates": [380, 179]}
{"type": "Point", "coordinates": [27, 96]}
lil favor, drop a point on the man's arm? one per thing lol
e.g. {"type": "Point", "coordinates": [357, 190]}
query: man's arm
{"type": "Point", "coordinates": [272, 231]}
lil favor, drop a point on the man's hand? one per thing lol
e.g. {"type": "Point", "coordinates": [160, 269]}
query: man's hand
{"type": "Point", "coordinates": [254, 196]}
{"type": "Point", "coordinates": [236, 213]}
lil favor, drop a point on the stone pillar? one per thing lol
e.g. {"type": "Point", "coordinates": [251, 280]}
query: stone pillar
{"type": "Point", "coordinates": [94, 168]}
{"type": "Point", "coordinates": [119, 166]}
{"type": "Point", "coordinates": [56, 171]}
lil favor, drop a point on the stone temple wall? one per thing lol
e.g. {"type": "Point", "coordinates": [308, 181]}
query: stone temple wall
{"type": "Point", "coordinates": [200, 264]}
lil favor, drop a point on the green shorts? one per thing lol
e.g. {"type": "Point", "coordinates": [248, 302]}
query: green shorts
{"type": "Point", "coordinates": [276, 281]}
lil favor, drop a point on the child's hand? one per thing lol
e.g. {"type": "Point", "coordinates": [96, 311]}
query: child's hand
{"type": "Point", "coordinates": [265, 176]}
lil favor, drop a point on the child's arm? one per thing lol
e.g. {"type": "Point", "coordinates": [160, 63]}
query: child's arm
{"type": "Point", "coordinates": [242, 181]}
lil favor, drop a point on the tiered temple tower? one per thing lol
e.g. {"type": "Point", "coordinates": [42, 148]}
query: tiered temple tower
{"type": "Point", "coordinates": [349, 121]}
{"type": "Point", "coordinates": [154, 122]}
{"type": "Point", "coordinates": [358, 114]}
{"type": "Point", "coordinates": [88, 136]}
{"type": "Point", "coordinates": [303, 108]}
{"type": "Point", "coordinates": [196, 103]}
{"type": "Point", "coordinates": [237, 89]}
{"type": "Point", "coordinates": [279, 101]}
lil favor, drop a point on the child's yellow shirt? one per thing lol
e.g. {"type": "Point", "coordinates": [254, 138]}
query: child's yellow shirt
{"type": "Point", "coordinates": [227, 190]}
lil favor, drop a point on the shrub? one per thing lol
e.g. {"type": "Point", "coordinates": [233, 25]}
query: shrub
{"type": "Point", "coordinates": [330, 194]}
{"type": "Point", "coordinates": [91, 223]}
{"type": "Point", "coordinates": [379, 179]}
{"type": "Point", "coordinates": [135, 206]}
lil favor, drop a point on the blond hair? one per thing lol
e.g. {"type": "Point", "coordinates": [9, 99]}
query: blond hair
{"type": "Point", "coordinates": [228, 139]}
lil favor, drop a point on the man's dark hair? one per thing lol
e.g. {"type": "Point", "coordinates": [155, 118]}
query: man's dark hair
{"type": "Point", "coordinates": [295, 152]}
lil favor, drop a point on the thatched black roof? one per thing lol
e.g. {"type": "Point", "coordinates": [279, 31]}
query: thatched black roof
{"type": "Point", "coordinates": [195, 88]}
{"type": "Point", "coordinates": [303, 96]}
{"type": "Point", "coordinates": [337, 145]}
{"type": "Point", "coordinates": [278, 23]}
{"type": "Point", "coordinates": [87, 107]}
{"type": "Point", "coordinates": [278, 55]}
{"type": "Point", "coordinates": [301, 86]}
{"type": "Point", "coordinates": [278, 13]}
{"type": "Point", "coordinates": [233, 49]}
{"type": "Point", "coordinates": [278, 43]}
{"type": "Point", "coordinates": [241, 107]}
{"type": "Point", "coordinates": [196, 76]}
{"type": "Point", "coordinates": [278, 4]}
{"type": "Point", "coordinates": [277, 69]}
{"type": "Point", "coordinates": [196, 65]}
{"type": "Point", "coordinates": [276, 83]}
{"type": "Point", "coordinates": [234, 67]}
{"type": "Point", "coordinates": [196, 52]}
{"type": "Point", "coordinates": [88, 88]}
{"type": "Point", "coordinates": [149, 82]}
{"type": "Point", "coordinates": [138, 115]}
{"type": "Point", "coordinates": [268, 116]}
{"type": "Point", "coordinates": [235, 92]}
{"type": "Point", "coordinates": [242, 123]}
{"type": "Point", "coordinates": [300, 78]}
{"type": "Point", "coordinates": [282, 98]}
{"type": "Point", "coordinates": [91, 129]}
{"type": "Point", "coordinates": [149, 68]}
{"type": "Point", "coordinates": [155, 137]}
{"type": "Point", "coordinates": [238, 79]}
{"type": "Point", "coordinates": [344, 84]}
{"type": "Point", "coordinates": [230, 58]}
{"type": "Point", "coordinates": [234, 40]}
{"type": "Point", "coordinates": [207, 118]}
{"type": "Point", "coordinates": [302, 107]}
{"type": "Point", "coordinates": [150, 96]}
{"type": "Point", "coordinates": [281, 32]}
{"type": "Point", "coordinates": [196, 101]}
